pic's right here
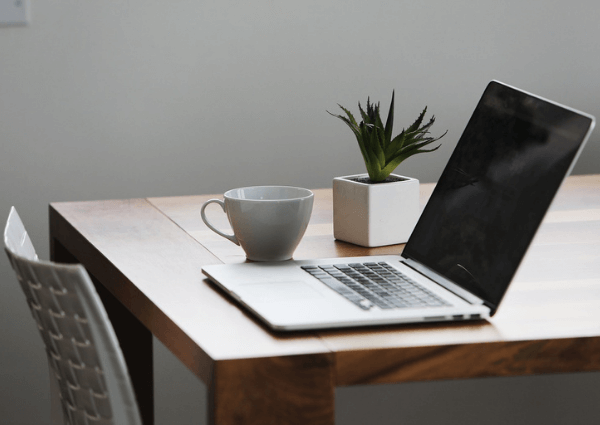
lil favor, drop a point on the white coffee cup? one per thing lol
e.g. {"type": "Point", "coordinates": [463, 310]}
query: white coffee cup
{"type": "Point", "coordinates": [268, 222]}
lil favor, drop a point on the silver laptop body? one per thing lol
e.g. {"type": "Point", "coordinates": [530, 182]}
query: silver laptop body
{"type": "Point", "coordinates": [467, 245]}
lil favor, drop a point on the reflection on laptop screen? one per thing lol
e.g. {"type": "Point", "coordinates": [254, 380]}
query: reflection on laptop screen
{"type": "Point", "coordinates": [495, 190]}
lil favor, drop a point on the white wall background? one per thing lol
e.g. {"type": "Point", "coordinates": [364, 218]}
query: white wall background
{"type": "Point", "coordinates": [113, 99]}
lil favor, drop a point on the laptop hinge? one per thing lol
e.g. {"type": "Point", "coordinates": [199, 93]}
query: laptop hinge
{"type": "Point", "coordinates": [442, 281]}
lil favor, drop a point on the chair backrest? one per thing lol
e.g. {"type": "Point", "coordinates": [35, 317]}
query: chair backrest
{"type": "Point", "coordinates": [81, 345]}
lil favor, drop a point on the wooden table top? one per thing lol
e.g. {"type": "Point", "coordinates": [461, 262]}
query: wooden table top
{"type": "Point", "coordinates": [150, 252]}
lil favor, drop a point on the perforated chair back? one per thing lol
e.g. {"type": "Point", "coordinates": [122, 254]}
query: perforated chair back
{"type": "Point", "coordinates": [82, 348]}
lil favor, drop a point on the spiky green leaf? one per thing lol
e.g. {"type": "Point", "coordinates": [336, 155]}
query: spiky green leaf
{"type": "Point", "coordinates": [381, 153]}
{"type": "Point", "coordinates": [389, 123]}
{"type": "Point", "coordinates": [414, 126]}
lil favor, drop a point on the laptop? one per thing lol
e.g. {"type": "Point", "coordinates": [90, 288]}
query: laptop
{"type": "Point", "coordinates": [512, 157]}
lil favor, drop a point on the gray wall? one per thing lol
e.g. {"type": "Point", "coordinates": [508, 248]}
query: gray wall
{"type": "Point", "coordinates": [112, 99]}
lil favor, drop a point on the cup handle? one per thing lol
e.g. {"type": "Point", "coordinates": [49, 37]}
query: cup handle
{"type": "Point", "coordinates": [232, 238]}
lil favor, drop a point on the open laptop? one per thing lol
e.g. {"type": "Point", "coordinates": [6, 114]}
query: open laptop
{"type": "Point", "coordinates": [510, 161]}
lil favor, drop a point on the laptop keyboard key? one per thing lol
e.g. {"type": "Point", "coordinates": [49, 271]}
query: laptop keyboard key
{"type": "Point", "coordinates": [375, 284]}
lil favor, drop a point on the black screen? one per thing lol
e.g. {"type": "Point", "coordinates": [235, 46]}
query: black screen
{"type": "Point", "coordinates": [495, 190]}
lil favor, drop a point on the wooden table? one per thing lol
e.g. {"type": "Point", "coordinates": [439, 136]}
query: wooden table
{"type": "Point", "coordinates": [146, 257]}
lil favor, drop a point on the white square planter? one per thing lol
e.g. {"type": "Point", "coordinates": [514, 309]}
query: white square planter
{"type": "Point", "coordinates": [374, 214]}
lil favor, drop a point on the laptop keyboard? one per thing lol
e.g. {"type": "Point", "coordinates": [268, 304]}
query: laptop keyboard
{"type": "Point", "coordinates": [375, 284]}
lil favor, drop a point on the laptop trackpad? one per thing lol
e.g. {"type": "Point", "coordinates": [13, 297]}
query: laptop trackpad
{"type": "Point", "coordinates": [276, 291]}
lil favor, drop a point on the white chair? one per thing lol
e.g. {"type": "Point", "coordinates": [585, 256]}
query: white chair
{"type": "Point", "coordinates": [81, 345]}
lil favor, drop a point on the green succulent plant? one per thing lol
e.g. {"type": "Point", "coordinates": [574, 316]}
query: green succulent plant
{"type": "Point", "coordinates": [381, 152]}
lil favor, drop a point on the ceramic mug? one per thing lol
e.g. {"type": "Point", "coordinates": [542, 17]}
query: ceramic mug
{"type": "Point", "coordinates": [268, 222]}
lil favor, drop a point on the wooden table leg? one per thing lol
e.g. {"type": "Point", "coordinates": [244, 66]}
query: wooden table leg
{"type": "Point", "coordinates": [135, 340]}
{"type": "Point", "coordinates": [293, 390]}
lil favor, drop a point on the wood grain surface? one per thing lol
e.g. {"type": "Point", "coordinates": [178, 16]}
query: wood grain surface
{"type": "Point", "coordinates": [556, 293]}
{"type": "Point", "coordinates": [155, 270]}
{"type": "Point", "coordinates": [149, 254]}
{"type": "Point", "coordinates": [554, 301]}
{"type": "Point", "coordinates": [244, 390]}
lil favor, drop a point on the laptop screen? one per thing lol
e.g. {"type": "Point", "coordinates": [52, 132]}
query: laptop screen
{"type": "Point", "coordinates": [495, 189]}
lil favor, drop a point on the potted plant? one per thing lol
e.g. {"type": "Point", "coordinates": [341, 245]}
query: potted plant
{"type": "Point", "coordinates": [380, 208]}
